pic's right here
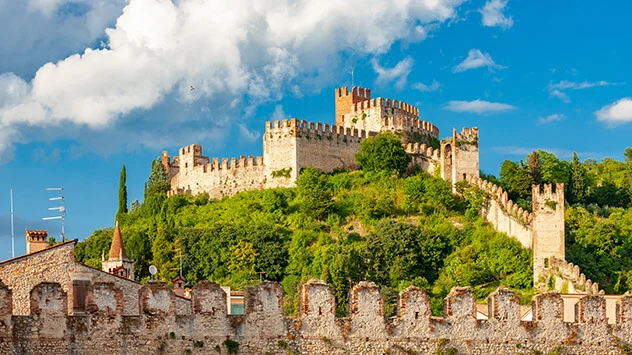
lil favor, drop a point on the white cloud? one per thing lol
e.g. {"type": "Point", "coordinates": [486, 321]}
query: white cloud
{"type": "Point", "coordinates": [493, 14]}
{"type": "Point", "coordinates": [476, 59]}
{"type": "Point", "coordinates": [564, 84]}
{"type": "Point", "coordinates": [426, 88]}
{"type": "Point", "coordinates": [249, 135]}
{"type": "Point", "coordinates": [55, 29]}
{"type": "Point", "coordinates": [478, 107]}
{"type": "Point", "coordinates": [398, 73]}
{"type": "Point", "coordinates": [556, 89]}
{"type": "Point", "coordinates": [552, 118]}
{"type": "Point", "coordinates": [560, 95]}
{"type": "Point", "coordinates": [616, 113]}
{"type": "Point", "coordinates": [246, 49]}
{"type": "Point", "coordinates": [560, 153]}
{"type": "Point", "coordinates": [279, 114]}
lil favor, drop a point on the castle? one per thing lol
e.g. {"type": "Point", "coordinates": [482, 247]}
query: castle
{"type": "Point", "coordinates": [290, 145]}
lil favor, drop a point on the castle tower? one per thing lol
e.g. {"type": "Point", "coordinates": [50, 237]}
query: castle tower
{"type": "Point", "coordinates": [548, 226]}
{"type": "Point", "coordinates": [460, 155]}
{"type": "Point", "coordinates": [118, 263]}
{"type": "Point", "coordinates": [36, 240]}
{"type": "Point", "coordinates": [346, 99]}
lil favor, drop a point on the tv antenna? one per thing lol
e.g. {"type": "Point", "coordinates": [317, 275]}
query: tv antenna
{"type": "Point", "coordinates": [181, 257]}
{"type": "Point", "coordinates": [152, 271]}
{"type": "Point", "coordinates": [61, 209]}
{"type": "Point", "coordinates": [12, 231]}
{"type": "Point", "coordinates": [261, 273]}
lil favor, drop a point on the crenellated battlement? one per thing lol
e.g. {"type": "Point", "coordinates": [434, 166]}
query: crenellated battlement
{"type": "Point", "coordinates": [497, 193]}
{"type": "Point", "coordinates": [356, 91]}
{"type": "Point", "coordinates": [569, 272]}
{"type": "Point", "coordinates": [104, 328]}
{"type": "Point", "coordinates": [422, 150]}
{"type": "Point", "coordinates": [301, 129]}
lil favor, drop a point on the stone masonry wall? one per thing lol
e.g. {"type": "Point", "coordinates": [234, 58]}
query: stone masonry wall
{"type": "Point", "coordinates": [58, 265]}
{"type": "Point", "coordinates": [264, 330]}
{"type": "Point", "coordinates": [219, 179]}
{"type": "Point", "coordinates": [327, 147]}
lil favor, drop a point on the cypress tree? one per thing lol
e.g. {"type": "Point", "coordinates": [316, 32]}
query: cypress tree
{"type": "Point", "coordinates": [578, 186]}
{"type": "Point", "coordinates": [122, 201]}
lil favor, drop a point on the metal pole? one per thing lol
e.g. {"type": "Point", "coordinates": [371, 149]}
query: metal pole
{"type": "Point", "coordinates": [63, 216]}
{"type": "Point", "coordinates": [12, 231]}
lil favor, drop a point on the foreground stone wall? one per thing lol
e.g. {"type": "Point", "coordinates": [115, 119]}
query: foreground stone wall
{"type": "Point", "coordinates": [262, 329]}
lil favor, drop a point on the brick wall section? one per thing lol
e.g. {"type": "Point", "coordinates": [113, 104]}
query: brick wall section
{"type": "Point", "coordinates": [263, 329]}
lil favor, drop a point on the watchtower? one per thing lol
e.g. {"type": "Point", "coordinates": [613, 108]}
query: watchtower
{"type": "Point", "coordinates": [346, 99]}
{"type": "Point", "coordinates": [460, 155]}
{"type": "Point", "coordinates": [548, 226]}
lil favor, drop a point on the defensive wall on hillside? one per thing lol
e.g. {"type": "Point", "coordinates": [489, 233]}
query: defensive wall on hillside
{"type": "Point", "coordinates": [262, 329]}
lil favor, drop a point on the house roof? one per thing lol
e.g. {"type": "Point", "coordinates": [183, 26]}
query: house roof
{"type": "Point", "coordinates": [117, 249]}
{"type": "Point", "coordinates": [8, 261]}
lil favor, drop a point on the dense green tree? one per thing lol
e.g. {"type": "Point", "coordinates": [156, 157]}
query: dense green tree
{"type": "Point", "coordinates": [122, 197]}
{"type": "Point", "coordinates": [314, 193]}
{"type": "Point", "coordinates": [383, 152]}
{"type": "Point", "coordinates": [158, 182]}
{"type": "Point", "coordinates": [535, 168]}
{"type": "Point", "coordinates": [516, 179]}
{"type": "Point", "coordinates": [628, 154]}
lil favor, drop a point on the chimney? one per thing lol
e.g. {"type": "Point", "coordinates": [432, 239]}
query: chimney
{"type": "Point", "coordinates": [36, 240]}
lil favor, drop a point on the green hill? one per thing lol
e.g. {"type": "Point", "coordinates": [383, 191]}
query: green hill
{"type": "Point", "coordinates": [396, 231]}
{"type": "Point", "coordinates": [342, 228]}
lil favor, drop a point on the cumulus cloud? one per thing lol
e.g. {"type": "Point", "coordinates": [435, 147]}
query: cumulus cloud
{"type": "Point", "coordinates": [426, 88]}
{"type": "Point", "coordinates": [279, 114]}
{"type": "Point", "coordinates": [560, 95]}
{"type": "Point", "coordinates": [478, 107]}
{"type": "Point", "coordinates": [246, 49]}
{"type": "Point", "coordinates": [250, 135]}
{"type": "Point", "coordinates": [616, 113]}
{"type": "Point", "coordinates": [477, 59]}
{"type": "Point", "coordinates": [564, 85]}
{"type": "Point", "coordinates": [560, 153]}
{"type": "Point", "coordinates": [54, 29]}
{"type": "Point", "coordinates": [557, 89]}
{"type": "Point", "coordinates": [397, 74]}
{"type": "Point", "coordinates": [552, 118]}
{"type": "Point", "coordinates": [493, 14]}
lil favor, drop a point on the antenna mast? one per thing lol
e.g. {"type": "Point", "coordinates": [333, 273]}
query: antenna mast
{"type": "Point", "coordinates": [61, 209]}
{"type": "Point", "coordinates": [12, 231]}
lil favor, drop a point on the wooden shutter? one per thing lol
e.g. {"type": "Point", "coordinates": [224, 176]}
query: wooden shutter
{"type": "Point", "coordinates": [79, 291]}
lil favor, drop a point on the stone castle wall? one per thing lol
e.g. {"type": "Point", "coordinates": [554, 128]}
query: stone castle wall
{"type": "Point", "coordinates": [263, 329]}
{"type": "Point", "coordinates": [288, 147]}
{"type": "Point", "coordinates": [291, 145]}
{"type": "Point", "coordinates": [506, 216]}
{"type": "Point", "coordinates": [220, 177]}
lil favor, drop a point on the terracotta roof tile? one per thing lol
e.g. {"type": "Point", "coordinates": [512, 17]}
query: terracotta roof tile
{"type": "Point", "coordinates": [117, 249]}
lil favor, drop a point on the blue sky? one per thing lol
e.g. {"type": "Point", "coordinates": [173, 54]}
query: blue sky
{"type": "Point", "coordinates": [77, 101]}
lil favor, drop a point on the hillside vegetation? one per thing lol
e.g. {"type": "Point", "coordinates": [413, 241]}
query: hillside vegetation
{"type": "Point", "coordinates": [343, 228]}
{"type": "Point", "coordinates": [377, 225]}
